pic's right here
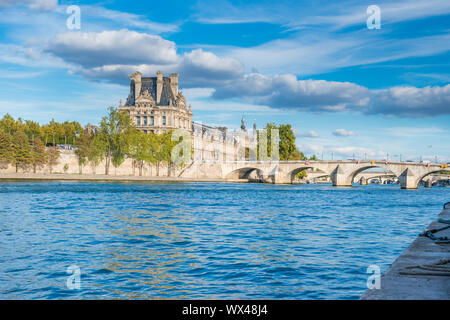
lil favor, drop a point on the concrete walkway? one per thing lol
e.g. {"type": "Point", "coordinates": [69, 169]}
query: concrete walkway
{"type": "Point", "coordinates": [395, 284]}
{"type": "Point", "coordinates": [95, 177]}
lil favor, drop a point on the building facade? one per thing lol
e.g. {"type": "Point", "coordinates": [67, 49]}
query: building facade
{"type": "Point", "coordinates": [156, 105]}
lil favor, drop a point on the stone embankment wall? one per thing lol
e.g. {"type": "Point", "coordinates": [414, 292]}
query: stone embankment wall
{"type": "Point", "coordinates": [68, 164]}
{"type": "Point", "coordinates": [69, 158]}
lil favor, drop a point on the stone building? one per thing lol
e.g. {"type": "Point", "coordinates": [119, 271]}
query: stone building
{"type": "Point", "coordinates": [156, 105]}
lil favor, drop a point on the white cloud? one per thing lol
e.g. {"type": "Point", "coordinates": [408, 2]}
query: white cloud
{"type": "Point", "coordinates": [350, 14]}
{"type": "Point", "coordinates": [285, 91]}
{"type": "Point", "coordinates": [91, 49]}
{"type": "Point", "coordinates": [19, 75]}
{"type": "Point", "coordinates": [201, 64]}
{"type": "Point", "coordinates": [309, 134]}
{"type": "Point", "coordinates": [342, 133]}
{"type": "Point", "coordinates": [412, 102]}
{"type": "Point", "coordinates": [297, 15]}
{"type": "Point", "coordinates": [101, 56]}
{"type": "Point", "coordinates": [348, 152]}
{"type": "Point", "coordinates": [129, 19]}
{"type": "Point", "coordinates": [113, 55]}
{"type": "Point", "coordinates": [44, 5]}
{"type": "Point", "coordinates": [411, 132]}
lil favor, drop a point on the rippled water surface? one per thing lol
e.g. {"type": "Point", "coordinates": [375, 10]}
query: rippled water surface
{"type": "Point", "coordinates": [203, 240]}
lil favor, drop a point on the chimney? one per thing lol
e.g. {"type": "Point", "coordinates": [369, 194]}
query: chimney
{"type": "Point", "coordinates": [159, 86]}
{"type": "Point", "coordinates": [174, 83]}
{"type": "Point", "coordinates": [136, 77]}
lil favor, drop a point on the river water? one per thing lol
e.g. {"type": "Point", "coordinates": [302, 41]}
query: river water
{"type": "Point", "coordinates": [202, 240]}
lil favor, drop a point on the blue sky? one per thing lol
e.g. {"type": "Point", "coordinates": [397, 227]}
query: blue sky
{"type": "Point", "coordinates": [346, 89]}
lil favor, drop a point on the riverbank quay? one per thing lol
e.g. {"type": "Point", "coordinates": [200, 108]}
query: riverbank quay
{"type": "Point", "coordinates": [98, 177]}
{"type": "Point", "coordinates": [422, 271]}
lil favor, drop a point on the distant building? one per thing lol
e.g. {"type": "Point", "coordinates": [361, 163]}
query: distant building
{"type": "Point", "coordinates": [90, 129]}
{"type": "Point", "coordinates": [156, 105]}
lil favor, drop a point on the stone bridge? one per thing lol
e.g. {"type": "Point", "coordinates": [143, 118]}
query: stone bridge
{"type": "Point", "coordinates": [341, 172]}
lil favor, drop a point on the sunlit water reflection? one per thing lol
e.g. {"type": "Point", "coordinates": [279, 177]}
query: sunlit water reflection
{"type": "Point", "coordinates": [203, 240]}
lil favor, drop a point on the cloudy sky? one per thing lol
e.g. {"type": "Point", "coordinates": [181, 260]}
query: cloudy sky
{"type": "Point", "coordinates": [346, 89]}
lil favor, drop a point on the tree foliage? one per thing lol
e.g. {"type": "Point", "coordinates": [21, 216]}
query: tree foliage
{"type": "Point", "coordinates": [39, 154]}
{"type": "Point", "coordinates": [115, 136]}
{"type": "Point", "coordinates": [286, 142]}
{"type": "Point", "coordinates": [6, 148]}
{"type": "Point", "coordinates": [22, 150]}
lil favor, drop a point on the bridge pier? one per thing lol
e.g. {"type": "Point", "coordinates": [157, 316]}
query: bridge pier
{"type": "Point", "coordinates": [279, 178]}
{"type": "Point", "coordinates": [408, 180]}
{"type": "Point", "coordinates": [428, 183]}
{"type": "Point", "coordinates": [363, 181]}
{"type": "Point", "coordinates": [339, 178]}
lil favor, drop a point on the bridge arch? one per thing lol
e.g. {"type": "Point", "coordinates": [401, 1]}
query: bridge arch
{"type": "Point", "coordinates": [387, 177]}
{"type": "Point", "coordinates": [423, 176]}
{"type": "Point", "coordinates": [245, 173]}
{"type": "Point", "coordinates": [294, 172]}
{"type": "Point", "coordinates": [362, 168]}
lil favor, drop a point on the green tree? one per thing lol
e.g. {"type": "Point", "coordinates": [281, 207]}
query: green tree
{"type": "Point", "coordinates": [33, 130]}
{"type": "Point", "coordinates": [163, 151]}
{"type": "Point", "coordinates": [114, 137]}
{"type": "Point", "coordinates": [288, 149]}
{"type": "Point", "coordinates": [78, 131]}
{"type": "Point", "coordinates": [71, 130]}
{"type": "Point", "coordinates": [23, 152]}
{"type": "Point", "coordinates": [39, 155]}
{"type": "Point", "coordinates": [96, 152]}
{"type": "Point", "coordinates": [6, 148]}
{"type": "Point", "coordinates": [8, 124]}
{"type": "Point", "coordinates": [83, 150]}
{"type": "Point", "coordinates": [301, 174]}
{"type": "Point", "coordinates": [286, 142]}
{"type": "Point", "coordinates": [141, 149]}
{"type": "Point", "coordinates": [54, 131]}
{"type": "Point", "coordinates": [269, 127]}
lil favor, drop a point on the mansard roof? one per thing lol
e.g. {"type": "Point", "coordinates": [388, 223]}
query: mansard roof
{"type": "Point", "coordinates": [149, 83]}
